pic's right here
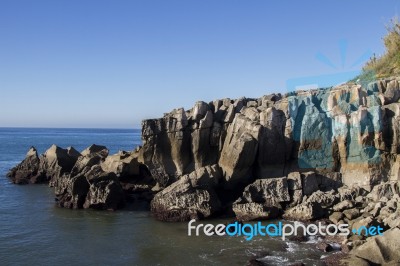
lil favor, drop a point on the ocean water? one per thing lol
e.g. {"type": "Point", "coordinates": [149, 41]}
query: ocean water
{"type": "Point", "coordinates": [33, 231]}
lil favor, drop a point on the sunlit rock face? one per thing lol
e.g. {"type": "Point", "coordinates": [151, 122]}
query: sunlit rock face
{"type": "Point", "coordinates": [349, 130]}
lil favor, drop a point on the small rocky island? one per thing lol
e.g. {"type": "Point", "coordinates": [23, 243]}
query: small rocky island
{"type": "Point", "coordinates": [325, 154]}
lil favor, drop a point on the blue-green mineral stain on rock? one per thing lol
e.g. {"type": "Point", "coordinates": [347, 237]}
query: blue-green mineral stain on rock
{"type": "Point", "coordinates": [350, 130]}
{"type": "Point", "coordinates": [316, 124]}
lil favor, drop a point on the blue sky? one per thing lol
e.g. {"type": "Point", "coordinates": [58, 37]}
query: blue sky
{"type": "Point", "coordinates": [113, 63]}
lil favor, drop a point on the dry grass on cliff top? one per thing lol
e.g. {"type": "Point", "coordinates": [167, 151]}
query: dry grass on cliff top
{"type": "Point", "coordinates": [388, 64]}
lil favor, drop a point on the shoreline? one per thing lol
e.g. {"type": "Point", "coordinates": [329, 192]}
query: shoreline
{"type": "Point", "coordinates": [302, 156]}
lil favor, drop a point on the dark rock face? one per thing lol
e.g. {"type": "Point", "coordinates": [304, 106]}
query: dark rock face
{"type": "Point", "coordinates": [57, 161]}
{"type": "Point", "coordinates": [48, 167]}
{"type": "Point", "coordinates": [28, 170]}
{"type": "Point", "coordinates": [105, 191]}
{"type": "Point", "coordinates": [90, 179]}
{"type": "Point", "coordinates": [72, 189]}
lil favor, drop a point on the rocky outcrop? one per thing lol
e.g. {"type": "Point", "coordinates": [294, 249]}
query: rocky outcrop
{"type": "Point", "coordinates": [330, 154]}
{"type": "Point", "coordinates": [307, 154]}
{"type": "Point", "coordinates": [28, 170]}
{"type": "Point", "coordinates": [48, 167]}
{"type": "Point", "coordinates": [133, 176]}
{"type": "Point", "coordinates": [91, 179]}
{"type": "Point", "coordinates": [304, 212]}
{"type": "Point", "coordinates": [72, 189]}
{"type": "Point", "coordinates": [262, 200]}
{"type": "Point", "coordinates": [345, 135]}
{"type": "Point", "coordinates": [191, 197]}
{"type": "Point", "coordinates": [57, 161]}
{"type": "Point", "coordinates": [378, 250]}
{"type": "Point", "coordinates": [105, 191]}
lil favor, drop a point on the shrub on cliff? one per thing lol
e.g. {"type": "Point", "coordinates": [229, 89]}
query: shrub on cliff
{"type": "Point", "coordinates": [389, 63]}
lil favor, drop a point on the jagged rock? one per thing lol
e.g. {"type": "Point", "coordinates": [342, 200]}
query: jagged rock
{"type": "Point", "coordinates": [57, 161]}
{"type": "Point", "coordinates": [344, 205]}
{"type": "Point", "coordinates": [295, 188]}
{"type": "Point", "coordinates": [123, 164]}
{"type": "Point", "coordinates": [379, 250]}
{"type": "Point", "coordinates": [191, 197]}
{"type": "Point", "coordinates": [388, 190]}
{"type": "Point", "coordinates": [180, 142]}
{"type": "Point", "coordinates": [92, 156]}
{"type": "Point", "coordinates": [95, 149]}
{"type": "Point", "coordinates": [206, 177]}
{"type": "Point", "coordinates": [296, 197]}
{"type": "Point", "coordinates": [239, 151]}
{"type": "Point", "coordinates": [261, 199]}
{"type": "Point", "coordinates": [376, 210]}
{"type": "Point", "coordinates": [351, 213]}
{"type": "Point", "coordinates": [345, 135]}
{"type": "Point", "coordinates": [294, 181]}
{"type": "Point", "coordinates": [352, 193]}
{"type": "Point", "coordinates": [105, 191]}
{"type": "Point", "coordinates": [329, 180]}
{"type": "Point", "coordinates": [71, 191]}
{"type": "Point", "coordinates": [309, 183]}
{"type": "Point", "coordinates": [133, 175]}
{"type": "Point", "coordinates": [393, 220]}
{"type": "Point", "coordinates": [28, 170]}
{"type": "Point", "coordinates": [256, 211]}
{"type": "Point", "coordinates": [320, 139]}
{"type": "Point", "coordinates": [72, 188]}
{"type": "Point", "coordinates": [336, 217]}
{"type": "Point", "coordinates": [304, 212]}
{"type": "Point", "coordinates": [392, 92]}
{"type": "Point", "coordinates": [324, 199]}
{"type": "Point", "coordinates": [262, 190]}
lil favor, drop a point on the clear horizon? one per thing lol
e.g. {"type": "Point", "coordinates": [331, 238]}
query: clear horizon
{"type": "Point", "coordinates": [103, 64]}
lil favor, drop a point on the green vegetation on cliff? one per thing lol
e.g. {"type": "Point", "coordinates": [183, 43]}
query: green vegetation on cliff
{"type": "Point", "coordinates": [389, 63]}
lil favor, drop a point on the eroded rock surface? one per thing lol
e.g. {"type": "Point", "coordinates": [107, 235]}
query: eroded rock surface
{"type": "Point", "coordinates": [191, 197]}
{"type": "Point", "coordinates": [28, 171]}
{"type": "Point", "coordinates": [91, 179]}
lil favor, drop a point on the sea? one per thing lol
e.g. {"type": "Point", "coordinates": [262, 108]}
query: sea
{"type": "Point", "coordinates": [34, 231]}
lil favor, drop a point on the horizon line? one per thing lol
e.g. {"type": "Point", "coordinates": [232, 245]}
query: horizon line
{"type": "Point", "coordinates": [38, 127]}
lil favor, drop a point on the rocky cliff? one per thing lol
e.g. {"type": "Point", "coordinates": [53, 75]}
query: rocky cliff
{"type": "Point", "coordinates": [325, 153]}
{"type": "Point", "coordinates": [346, 134]}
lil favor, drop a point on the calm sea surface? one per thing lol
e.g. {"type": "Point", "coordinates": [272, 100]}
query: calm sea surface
{"type": "Point", "coordinates": [33, 231]}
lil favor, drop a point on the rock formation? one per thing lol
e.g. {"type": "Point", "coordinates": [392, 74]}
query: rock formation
{"type": "Point", "coordinates": [346, 134]}
{"type": "Point", "coordinates": [90, 179]}
{"type": "Point", "coordinates": [324, 153]}
{"type": "Point", "coordinates": [28, 170]}
{"type": "Point", "coordinates": [191, 197]}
